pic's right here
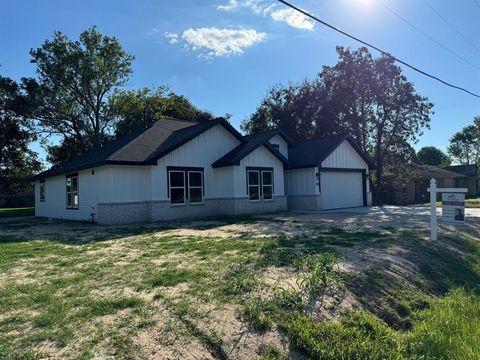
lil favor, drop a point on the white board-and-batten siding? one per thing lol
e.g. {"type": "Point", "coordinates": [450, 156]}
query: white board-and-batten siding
{"type": "Point", "coordinates": [346, 157]}
{"type": "Point", "coordinates": [260, 157]}
{"type": "Point", "coordinates": [201, 151]}
{"type": "Point", "coordinates": [282, 145]}
{"type": "Point", "coordinates": [55, 204]}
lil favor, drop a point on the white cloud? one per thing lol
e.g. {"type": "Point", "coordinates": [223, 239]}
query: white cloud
{"type": "Point", "coordinates": [214, 42]}
{"type": "Point", "coordinates": [261, 7]}
{"type": "Point", "coordinates": [171, 37]}
{"type": "Point", "coordinates": [293, 18]}
{"type": "Point", "coordinates": [254, 5]}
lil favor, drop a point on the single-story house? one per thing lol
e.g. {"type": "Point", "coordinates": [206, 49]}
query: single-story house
{"type": "Point", "coordinates": [176, 169]}
{"type": "Point", "coordinates": [471, 181]}
{"type": "Point", "coordinates": [415, 189]}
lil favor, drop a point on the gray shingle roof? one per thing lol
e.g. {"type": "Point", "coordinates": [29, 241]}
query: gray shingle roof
{"type": "Point", "coordinates": [141, 147]}
{"type": "Point", "coordinates": [233, 157]}
{"type": "Point", "coordinates": [470, 170]}
{"type": "Point", "coordinates": [267, 135]}
{"type": "Point", "coordinates": [312, 152]}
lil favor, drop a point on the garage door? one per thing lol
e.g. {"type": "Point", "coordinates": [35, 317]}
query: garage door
{"type": "Point", "coordinates": [341, 190]}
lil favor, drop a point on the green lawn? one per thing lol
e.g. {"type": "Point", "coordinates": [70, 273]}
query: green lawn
{"type": "Point", "coordinates": [14, 212]}
{"type": "Point", "coordinates": [225, 290]}
{"type": "Point", "coordinates": [472, 203]}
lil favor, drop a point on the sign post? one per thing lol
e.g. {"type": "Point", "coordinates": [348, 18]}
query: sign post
{"type": "Point", "coordinates": [433, 207]}
{"type": "Point", "coordinates": [453, 205]}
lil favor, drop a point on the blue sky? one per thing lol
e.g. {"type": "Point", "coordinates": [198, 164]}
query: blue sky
{"type": "Point", "coordinates": [224, 54]}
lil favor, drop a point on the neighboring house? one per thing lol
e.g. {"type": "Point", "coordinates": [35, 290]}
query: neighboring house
{"type": "Point", "coordinates": [176, 169]}
{"type": "Point", "coordinates": [415, 189]}
{"type": "Point", "coordinates": [471, 180]}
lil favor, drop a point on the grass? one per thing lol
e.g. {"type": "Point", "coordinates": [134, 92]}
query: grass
{"type": "Point", "coordinates": [15, 212]}
{"type": "Point", "coordinates": [73, 293]}
{"type": "Point", "coordinates": [472, 202]}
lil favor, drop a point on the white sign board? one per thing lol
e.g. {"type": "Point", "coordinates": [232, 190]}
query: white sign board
{"type": "Point", "coordinates": [453, 207]}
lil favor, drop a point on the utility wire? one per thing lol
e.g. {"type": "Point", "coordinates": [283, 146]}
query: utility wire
{"type": "Point", "coordinates": [376, 48]}
{"type": "Point", "coordinates": [416, 28]}
{"type": "Point", "coordinates": [477, 3]}
{"type": "Point", "coordinates": [451, 25]}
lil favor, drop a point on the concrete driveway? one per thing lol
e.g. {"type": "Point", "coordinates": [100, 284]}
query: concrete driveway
{"type": "Point", "coordinates": [399, 210]}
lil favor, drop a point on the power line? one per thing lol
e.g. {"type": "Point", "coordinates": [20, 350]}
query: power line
{"type": "Point", "coordinates": [451, 25]}
{"type": "Point", "coordinates": [477, 3]}
{"type": "Point", "coordinates": [416, 28]}
{"type": "Point", "coordinates": [376, 48]}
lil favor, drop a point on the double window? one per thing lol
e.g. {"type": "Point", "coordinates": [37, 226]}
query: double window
{"type": "Point", "coordinates": [260, 183]}
{"type": "Point", "coordinates": [71, 187]}
{"type": "Point", "coordinates": [185, 185]}
{"type": "Point", "coordinates": [42, 190]}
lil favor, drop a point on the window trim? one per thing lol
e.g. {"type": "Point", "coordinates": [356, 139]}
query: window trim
{"type": "Point", "coordinates": [259, 185]}
{"type": "Point", "coordinates": [201, 187]}
{"type": "Point", "coordinates": [186, 170]}
{"type": "Point", "coordinates": [72, 207]}
{"type": "Point", "coordinates": [260, 170]}
{"type": "Point", "coordinates": [42, 191]}
{"type": "Point", "coordinates": [184, 187]}
{"type": "Point", "coordinates": [263, 185]}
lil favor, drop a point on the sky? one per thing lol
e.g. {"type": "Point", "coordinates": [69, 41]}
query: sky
{"type": "Point", "coordinates": [225, 54]}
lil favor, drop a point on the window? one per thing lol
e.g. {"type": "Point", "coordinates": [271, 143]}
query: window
{"type": "Point", "coordinates": [42, 190]}
{"type": "Point", "coordinates": [267, 185]}
{"type": "Point", "coordinates": [276, 146]}
{"type": "Point", "coordinates": [185, 185]}
{"type": "Point", "coordinates": [195, 186]}
{"type": "Point", "coordinates": [72, 191]}
{"type": "Point", "coordinates": [260, 183]}
{"type": "Point", "coordinates": [177, 187]}
{"type": "Point", "coordinates": [253, 184]}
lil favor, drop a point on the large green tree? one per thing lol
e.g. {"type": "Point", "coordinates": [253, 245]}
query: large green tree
{"type": "Point", "coordinates": [430, 155]}
{"type": "Point", "coordinates": [74, 81]}
{"type": "Point", "coordinates": [135, 108]}
{"type": "Point", "coordinates": [464, 146]}
{"type": "Point", "coordinates": [17, 162]}
{"type": "Point", "coordinates": [368, 97]}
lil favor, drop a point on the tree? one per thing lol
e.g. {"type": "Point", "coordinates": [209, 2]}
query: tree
{"type": "Point", "coordinates": [369, 98]}
{"type": "Point", "coordinates": [17, 162]}
{"type": "Point", "coordinates": [430, 155]}
{"type": "Point", "coordinates": [136, 108]}
{"type": "Point", "coordinates": [464, 146]}
{"type": "Point", "coordinates": [75, 79]}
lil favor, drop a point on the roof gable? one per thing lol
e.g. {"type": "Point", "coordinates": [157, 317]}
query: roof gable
{"type": "Point", "coordinates": [311, 153]}
{"type": "Point", "coordinates": [267, 135]}
{"type": "Point", "coordinates": [234, 157]}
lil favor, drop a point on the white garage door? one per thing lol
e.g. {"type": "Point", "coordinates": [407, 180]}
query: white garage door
{"type": "Point", "coordinates": [341, 190]}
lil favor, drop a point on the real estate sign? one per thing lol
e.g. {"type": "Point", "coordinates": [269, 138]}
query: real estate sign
{"type": "Point", "coordinates": [453, 207]}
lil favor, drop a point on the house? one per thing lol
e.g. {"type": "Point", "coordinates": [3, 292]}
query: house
{"type": "Point", "coordinates": [175, 169]}
{"type": "Point", "coordinates": [471, 180]}
{"type": "Point", "coordinates": [415, 188]}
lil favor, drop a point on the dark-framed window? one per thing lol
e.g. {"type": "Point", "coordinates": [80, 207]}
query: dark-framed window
{"type": "Point", "coordinates": [71, 190]}
{"type": "Point", "coordinates": [42, 190]}
{"type": "Point", "coordinates": [259, 183]}
{"type": "Point", "coordinates": [276, 146]}
{"type": "Point", "coordinates": [185, 185]}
